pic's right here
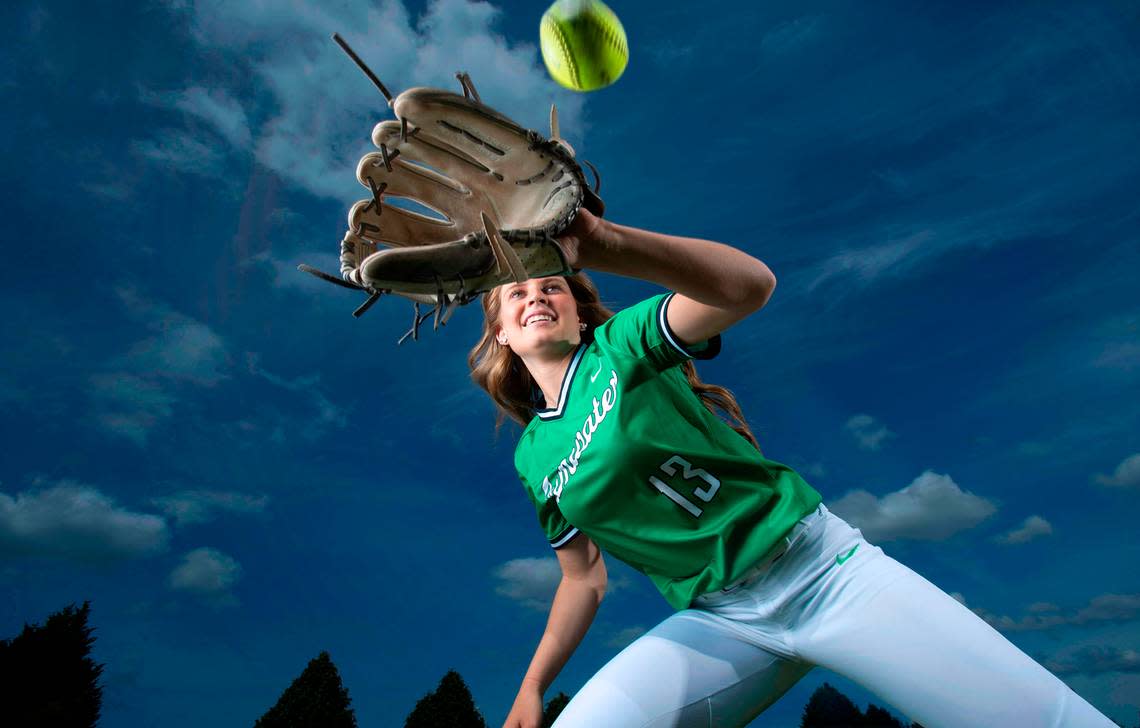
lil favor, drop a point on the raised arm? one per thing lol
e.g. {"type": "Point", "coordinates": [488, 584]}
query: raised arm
{"type": "Point", "coordinates": [575, 604]}
{"type": "Point", "coordinates": [717, 285]}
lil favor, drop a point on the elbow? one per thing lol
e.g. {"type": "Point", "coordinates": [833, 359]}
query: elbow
{"type": "Point", "coordinates": [598, 580]}
{"type": "Point", "coordinates": [762, 284]}
{"type": "Point", "coordinates": [768, 286]}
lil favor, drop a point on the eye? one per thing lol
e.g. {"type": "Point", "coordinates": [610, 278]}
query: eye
{"type": "Point", "coordinates": [552, 287]}
{"type": "Point", "coordinates": [515, 293]}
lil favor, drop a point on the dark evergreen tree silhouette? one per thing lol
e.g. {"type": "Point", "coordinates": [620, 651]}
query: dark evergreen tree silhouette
{"type": "Point", "coordinates": [554, 709]}
{"type": "Point", "coordinates": [316, 699]}
{"type": "Point", "coordinates": [450, 706]}
{"type": "Point", "coordinates": [47, 677]}
{"type": "Point", "coordinates": [829, 708]}
{"type": "Point", "coordinates": [877, 717]}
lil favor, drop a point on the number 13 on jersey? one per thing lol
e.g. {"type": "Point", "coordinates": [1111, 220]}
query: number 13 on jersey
{"type": "Point", "coordinates": [688, 472]}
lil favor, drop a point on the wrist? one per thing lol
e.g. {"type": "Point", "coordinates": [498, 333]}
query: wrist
{"type": "Point", "coordinates": [532, 684]}
{"type": "Point", "coordinates": [593, 247]}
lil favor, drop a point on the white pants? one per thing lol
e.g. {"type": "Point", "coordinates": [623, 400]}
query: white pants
{"type": "Point", "coordinates": [836, 601]}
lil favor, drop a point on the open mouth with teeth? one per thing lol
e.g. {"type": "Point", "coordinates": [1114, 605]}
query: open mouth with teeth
{"type": "Point", "coordinates": [537, 318]}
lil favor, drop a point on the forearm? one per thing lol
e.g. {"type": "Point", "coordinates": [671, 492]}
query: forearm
{"type": "Point", "coordinates": [573, 610]}
{"type": "Point", "coordinates": [712, 273]}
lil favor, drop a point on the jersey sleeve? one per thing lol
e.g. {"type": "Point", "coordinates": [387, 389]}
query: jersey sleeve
{"type": "Point", "coordinates": [558, 530]}
{"type": "Point", "coordinates": [642, 331]}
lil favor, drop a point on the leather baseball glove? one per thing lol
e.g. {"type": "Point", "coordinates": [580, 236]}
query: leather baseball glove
{"type": "Point", "coordinates": [501, 193]}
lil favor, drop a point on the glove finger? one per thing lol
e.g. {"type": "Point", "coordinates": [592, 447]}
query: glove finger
{"type": "Point", "coordinates": [478, 130]}
{"type": "Point", "coordinates": [456, 265]}
{"type": "Point", "coordinates": [396, 226]}
{"type": "Point", "coordinates": [483, 150]}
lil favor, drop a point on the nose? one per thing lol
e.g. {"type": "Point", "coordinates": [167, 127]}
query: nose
{"type": "Point", "coordinates": [535, 294]}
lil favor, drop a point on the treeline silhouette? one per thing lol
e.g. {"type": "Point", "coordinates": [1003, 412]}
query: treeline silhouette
{"type": "Point", "coordinates": [47, 678]}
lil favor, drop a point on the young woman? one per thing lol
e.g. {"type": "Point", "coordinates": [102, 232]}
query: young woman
{"type": "Point", "coordinates": [623, 452]}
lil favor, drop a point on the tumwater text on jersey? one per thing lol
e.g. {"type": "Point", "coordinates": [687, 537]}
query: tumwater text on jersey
{"type": "Point", "coordinates": [582, 440]}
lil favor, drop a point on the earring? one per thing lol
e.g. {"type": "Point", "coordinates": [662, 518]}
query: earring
{"type": "Point", "coordinates": [502, 340]}
{"type": "Point", "coordinates": [582, 326]}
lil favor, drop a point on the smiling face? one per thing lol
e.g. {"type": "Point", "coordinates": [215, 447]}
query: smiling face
{"type": "Point", "coordinates": [539, 314]}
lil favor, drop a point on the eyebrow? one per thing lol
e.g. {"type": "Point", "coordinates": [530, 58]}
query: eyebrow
{"type": "Point", "coordinates": [549, 279]}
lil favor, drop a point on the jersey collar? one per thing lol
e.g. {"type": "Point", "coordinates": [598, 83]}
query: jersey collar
{"type": "Point", "coordinates": [554, 413]}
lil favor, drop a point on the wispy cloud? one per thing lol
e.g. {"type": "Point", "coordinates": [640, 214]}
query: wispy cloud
{"type": "Point", "coordinates": [178, 149]}
{"type": "Point", "coordinates": [868, 263]}
{"type": "Point", "coordinates": [323, 108]}
{"type": "Point", "coordinates": [932, 508]}
{"type": "Point", "coordinates": [179, 348]}
{"type": "Point", "coordinates": [130, 406]}
{"type": "Point", "coordinates": [138, 390]}
{"type": "Point", "coordinates": [1126, 475]}
{"type": "Point", "coordinates": [215, 107]}
{"type": "Point", "coordinates": [202, 506]}
{"type": "Point", "coordinates": [530, 582]}
{"type": "Point", "coordinates": [791, 34]}
{"type": "Point", "coordinates": [325, 415]}
{"type": "Point", "coordinates": [623, 638]}
{"type": "Point", "coordinates": [868, 432]}
{"type": "Point", "coordinates": [1031, 528]}
{"type": "Point", "coordinates": [194, 148]}
{"type": "Point", "coordinates": [207, 573]}
{"type": "Point", "coordinates": [73, 521]}
{"type": "Point", "coordinates": [1095, 660]}
{"type": "Point", "coordinates": [1040, 616]}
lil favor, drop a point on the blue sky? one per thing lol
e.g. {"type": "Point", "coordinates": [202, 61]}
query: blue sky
{"type": "Point", "coordinates": [204, 443]}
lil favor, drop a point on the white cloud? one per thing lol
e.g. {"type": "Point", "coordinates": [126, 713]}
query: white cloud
{"type": "Point", "coordinates": [201, 506]}
{"type": "Point", "coordinates": [1095, 660]}
{"type": "Point", "coordinates": [326, 415]}
{"type": "Point", "coordinates": [530, 582]}
{"type": "Point", "coordinates": [868, 432]}
{"type": "Point", "coordinates": [931, 508]}
{"type": "Point", "coordinates": [869, 263]}
{"type": "Point", "coordinates": [180, 348]}
{"type": "Point", "coordinates": [140, 388]}
{"type": "Point", "coordinates": [188, 149]}
{"type": "Point", "coordinates": [1103, 609]}
{"type": "Point", "coordinates": [1124, 356]}
{"type": "Point", "coordinates": [287, 276]}
{"type": "Point", "coordinates": [73, 521]}
{"type": "Point", "coordinates": [130, 406]}
{"type": "Point", "coordinates": [623, 638]}
{"type": "Point", "coordinates": [1127, 474]}
{"type": "Point", "coordinates": [206, 572]}
{"type": "Point", "coordinates": [323, 107]}
{"type": "Point", "coordinates": [1030, 528]}
{"type": "Point", "coordinates": [177, 149]}
{"type": "Point", "coordinates": [1110, 608]}
{"type": "Point", "coordinates": [217, 108]}
{"type": "Point", "coordinates": [789, 35]}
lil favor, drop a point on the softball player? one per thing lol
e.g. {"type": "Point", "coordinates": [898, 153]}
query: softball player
{"type": "Point", "coordinates": [622, 454]}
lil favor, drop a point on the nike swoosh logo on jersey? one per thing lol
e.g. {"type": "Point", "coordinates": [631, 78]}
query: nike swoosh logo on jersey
{"type": "Point", "coordinates": [842, 558]}
{"type": "Point", "coordinates": [595, 374]}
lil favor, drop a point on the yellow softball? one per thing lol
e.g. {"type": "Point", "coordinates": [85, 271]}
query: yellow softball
{"type": "Point", "coordinates": [583, 44]}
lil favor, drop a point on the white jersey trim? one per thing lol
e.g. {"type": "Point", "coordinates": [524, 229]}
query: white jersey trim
{"type": "Point", "coordinates": [711, 349]}
{"type": "Point", "coordinates": [564, 538]}
{"type": "Point", "coordinates": [555, 412]}
{"type": "Point", "coordinates": [664, 325]}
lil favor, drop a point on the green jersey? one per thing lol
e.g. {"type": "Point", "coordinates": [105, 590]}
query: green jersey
{"type": "Point", "coordinates": [631, 457]}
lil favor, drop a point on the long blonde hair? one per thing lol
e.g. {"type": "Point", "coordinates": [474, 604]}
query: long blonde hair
{"type": "Point", "coordinates": [502, 375]}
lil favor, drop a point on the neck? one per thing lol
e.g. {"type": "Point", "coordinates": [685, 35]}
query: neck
{"type": "Point", "coordinates": [548, 369]}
